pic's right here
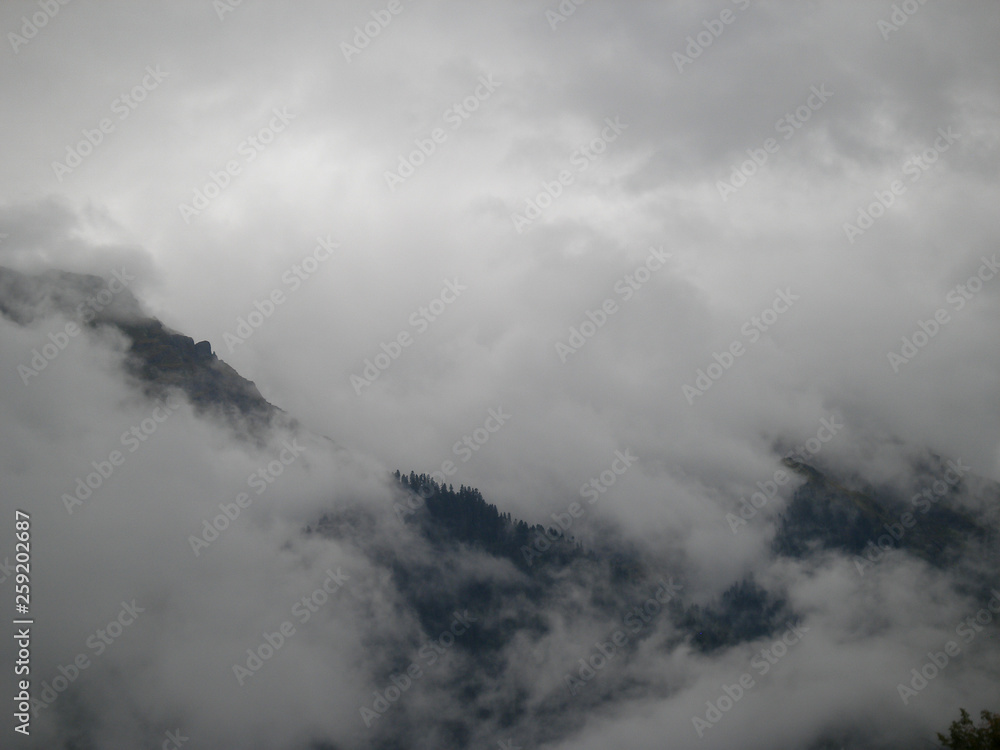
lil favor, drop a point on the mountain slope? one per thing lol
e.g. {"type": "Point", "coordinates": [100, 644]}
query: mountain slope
{"type": "Point", "coordinates": [157, 357]}
{"type": "Point", "coordinates": [540, 602]}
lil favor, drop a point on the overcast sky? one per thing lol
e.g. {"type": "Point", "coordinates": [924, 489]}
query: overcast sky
{"type": "Point", "coordinates": [766, 198]}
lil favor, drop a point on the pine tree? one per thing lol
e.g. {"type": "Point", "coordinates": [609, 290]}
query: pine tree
{"type": "Point", "coordinates": [964, 735]}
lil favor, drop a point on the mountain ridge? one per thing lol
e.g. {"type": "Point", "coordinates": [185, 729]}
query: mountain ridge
{"type": "Point", "coordinates": [451, 550]}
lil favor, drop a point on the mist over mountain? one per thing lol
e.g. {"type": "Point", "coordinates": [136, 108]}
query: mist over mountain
{"type": "Point", "coordinates": [410, 613]}
{"type": "Point", "coordinates": [447, 376]}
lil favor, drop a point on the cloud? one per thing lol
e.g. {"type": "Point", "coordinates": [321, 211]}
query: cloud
{"type": "Point", "coordinates": [860, 298]}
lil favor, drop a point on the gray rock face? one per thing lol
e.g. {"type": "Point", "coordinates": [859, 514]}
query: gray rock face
{"type": "Point", "coordinates": [157, 357]}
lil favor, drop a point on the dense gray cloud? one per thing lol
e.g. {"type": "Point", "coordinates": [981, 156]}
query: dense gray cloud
{"type": "Point", "coordinates": [853, 107]}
